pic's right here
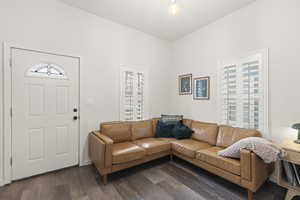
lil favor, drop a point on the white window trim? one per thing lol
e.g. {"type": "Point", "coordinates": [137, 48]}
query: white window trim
{"type": "Point", "coordinates": [265, 62]}
{"type": "Point", "coordinates": [146, 90]}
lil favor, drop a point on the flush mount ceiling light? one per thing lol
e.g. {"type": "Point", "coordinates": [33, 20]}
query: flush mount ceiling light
{"type": "Point", "coordinates": [173, 7]}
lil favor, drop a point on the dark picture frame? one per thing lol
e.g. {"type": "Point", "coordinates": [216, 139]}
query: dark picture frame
{"type": "Point", "coordinates": [201, 88]}
{"type": "Point", "coordinates": [185, 84]}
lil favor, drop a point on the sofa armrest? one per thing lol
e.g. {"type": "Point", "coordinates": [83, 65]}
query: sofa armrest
{"type": "Point", "coordinates": [254, 172]}
{"type": "Point", "coordinates": [104, 138]}
{"type": "Point", "coordinates": [246, 164]}
{"type": "Point", "coordinates": [100, 149]}
{"type": "Point", "coordinates": [260, 170]}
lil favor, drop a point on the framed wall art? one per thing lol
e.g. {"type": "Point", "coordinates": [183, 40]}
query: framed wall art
{"type": "Point", "coordinates": [185, 84]}
{"type": "Point", "coordinates": [201, 88]}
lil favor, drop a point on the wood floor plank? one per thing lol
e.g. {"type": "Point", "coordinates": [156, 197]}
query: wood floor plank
{"type": "Point", "coordinates": [180, 192]}
{"type": "Point", "coordinates": [89, 184]}
{"type": "Point", "coordinates": [30, 189]}
{"type": "Point", "coordinates": [72, 179]}
{"type": "Point", "coordinates": [271, 191]}
{"type": "Point", "coordinates": [155, 175]}
{"type": "Point", "coordinates": [82, 198]}
{"type": "Point", "coordinates": [146, 189]}
{"type": "Point", "coordinates": [61, 192]}
{"type": "Point", "coordinates": [125, 191]}
{"type": "Point", "coordinates": [47, 186]}
{"type": "Point", "coordinates": [111, 192]}
{"type": "Point", "coordinates": [16, 189]}
{"type": "Point", "coordinates": [192, 182]}
{"type": "Point", "coordinates": [32, 192]}
{"type": "Point", "coordinates": [223, 187]}
{"type": "Point", "coordinates": [159, 180]}
{"type": "Point", "coordinates": [5, 192]}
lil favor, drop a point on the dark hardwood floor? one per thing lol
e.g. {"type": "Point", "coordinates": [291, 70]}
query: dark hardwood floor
{"type": "Point", "coordinates": [157, 180]}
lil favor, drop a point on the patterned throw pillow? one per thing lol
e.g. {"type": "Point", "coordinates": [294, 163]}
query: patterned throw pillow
{"type": "Point", "coordinates": [263, 148]}
{"type": "Point", "coordinates": [171, 118]}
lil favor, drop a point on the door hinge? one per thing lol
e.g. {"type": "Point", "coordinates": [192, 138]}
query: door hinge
{"type": "Point", "coordinates": [11, 162]}
{"type": "Point", "coordinates": [11, 113]}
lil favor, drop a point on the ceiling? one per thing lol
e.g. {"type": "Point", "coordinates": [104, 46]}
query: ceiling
{"type": "Point", "coordinates": [152, 16]}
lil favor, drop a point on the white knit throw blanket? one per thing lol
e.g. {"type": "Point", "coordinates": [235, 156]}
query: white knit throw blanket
{"type": "Point", "coordinates": [268, 151]}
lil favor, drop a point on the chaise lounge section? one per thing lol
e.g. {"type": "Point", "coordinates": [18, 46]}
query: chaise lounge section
{"type": "Point", "coordinates": [120, 145]}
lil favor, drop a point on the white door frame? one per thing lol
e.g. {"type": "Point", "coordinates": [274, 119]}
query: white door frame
{"type": "Point", "coordinates": [6, 132]}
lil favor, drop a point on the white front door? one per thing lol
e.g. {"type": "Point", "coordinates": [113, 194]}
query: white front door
{"type": "Point", "coordinates": [45, 100]}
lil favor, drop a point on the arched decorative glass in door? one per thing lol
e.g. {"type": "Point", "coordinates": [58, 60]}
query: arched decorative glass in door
{"type": "Point", "coordinates": [46, 70]}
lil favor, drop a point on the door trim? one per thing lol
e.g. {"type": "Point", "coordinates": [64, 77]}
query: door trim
{"type": "Point", "coordinates": [6, 132]}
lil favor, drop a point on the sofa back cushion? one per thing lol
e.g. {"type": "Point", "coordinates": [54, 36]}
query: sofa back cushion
{"type": "Point", "coordinates": [187, 122]}
{"type": "Point", "coordinates": [229, 135]}
{"type": "Point", "coordinates": [142, 129]}
{"type": "Point", "coordinates": [205, 132]}
{"type": "Point", "coordinates": [117, 131]}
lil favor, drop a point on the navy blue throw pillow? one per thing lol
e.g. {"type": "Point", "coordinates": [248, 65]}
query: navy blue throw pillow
{"type": "Point", "coordinates": [164, 129]}
{"type": "Point", "coordinates": [180, 131]}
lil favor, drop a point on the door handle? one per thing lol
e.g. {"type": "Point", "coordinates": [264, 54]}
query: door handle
{"type": "Point", "coordinates": [75, 118]}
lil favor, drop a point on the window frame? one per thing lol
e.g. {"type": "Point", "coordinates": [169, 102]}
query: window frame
{"type": "Point", "coordinates": [145, 93]}
{"type": "Point", "coordinates": [265, 74]}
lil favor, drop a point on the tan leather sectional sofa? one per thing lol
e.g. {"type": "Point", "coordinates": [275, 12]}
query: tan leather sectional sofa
{"type": "Point", "coordinates": [120, 145]}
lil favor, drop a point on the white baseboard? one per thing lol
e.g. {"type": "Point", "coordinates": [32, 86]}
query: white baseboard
{"type": "Point", "coordinates": [1, 183]}
{"type": "Point", "coordinates": [84, 163]}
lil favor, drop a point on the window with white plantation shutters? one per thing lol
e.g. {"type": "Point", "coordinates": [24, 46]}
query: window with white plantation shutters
{"type": "Point", "coordinates": [243, 91]}
{"type": "Point", "coordinates": [229, 95]}
{"type": "Point", "coordinates": [128, 100]}
{"type": "Point", "coordinates": [140, 97]}
{"type": "Point", "coordinates": [132, 97]}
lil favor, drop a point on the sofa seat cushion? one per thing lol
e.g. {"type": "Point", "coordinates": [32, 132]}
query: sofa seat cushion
{"type": "Point", "coordinates": [211, 156]}
{"type": "Point", "coordinates": [126, 152]}
{"type": "Point", "coordinates": [153, 145]}
{"type": "Point", "coordinates": [188, 147]}
{"type": "Point", "coordinates": [167, 139]}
